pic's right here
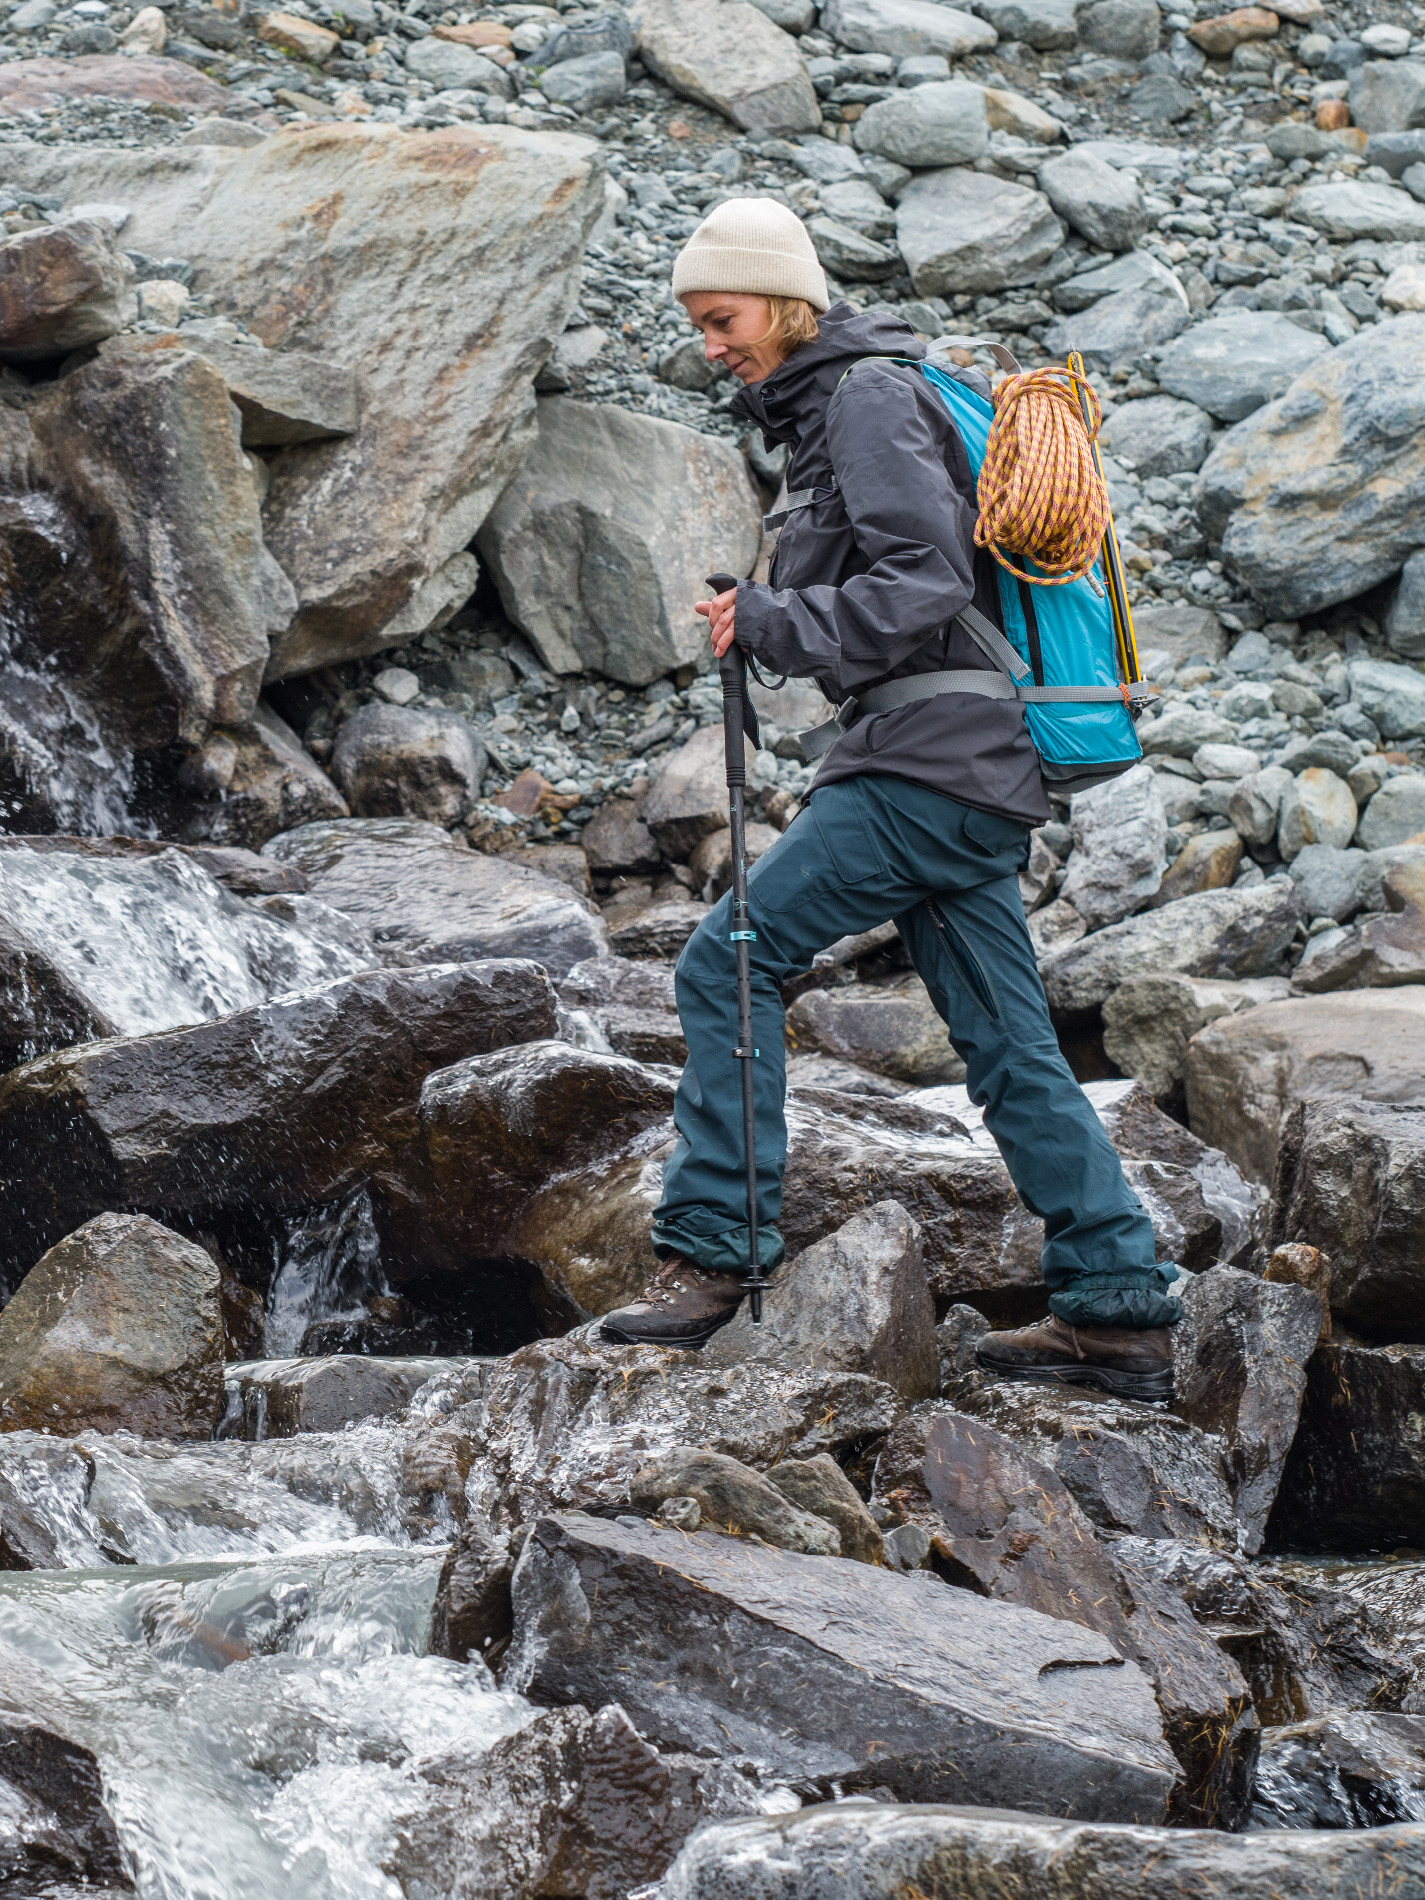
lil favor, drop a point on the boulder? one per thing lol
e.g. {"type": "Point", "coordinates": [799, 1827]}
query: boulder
{"type": "Point", "coordinates": [1356, 1475]}
{"type": "Point", "coordinates": [632, 1005]}
{"type": "Point", "coordinates": [471, 1614]}
{"type": "Point", "coordinates": [117, 1328]}
{"type": "Point", "coordinates": [849, 254]}
{"type": "Point", "coordinates": [1207, 862]}
{"type": "Point", "coordinates": [1101, 203]}
{"type": "Point", "coordinates": [1182, 729]}
{"type": "Point", "coordinates": [616, 841]}
{"type": "Point", "coordinates": [1124, 29]}
{"type": "Point", "coordinates": [278, 1398]}
{"type": "Point", "coordinates": [1245, 1072]}
{"type": "Point", "coordinates": [855, 201]}
{"type": "Point", "coordinates": [1183, 632]}
{"type": "Point", "coordinates": [891, 1031]}
{"type": "Point", "coordinates": [1240, 1353]}
{"type": "Point", "coordinates": [1149, 1021]}
{"type": "Point", "coordinates": [565, 1423]}
{"type": "Point", "coordinates": [1129, 272]}
{"type": "Point", "coordinates": [961, 230]}
{"type": "Point", "coordinates": [62, 286]}
{"type": "Point", "coordinates": [711, 861]}
{"type": "Point", "coordinates": [1232, 365]}
{"type": "Point", "coordinates": [451, 67]}
{"type": "Point", "coordinates": [907, 28]}
{"type": "Point", "coordinates": [283, 396]}
{"type": "Point", "coordinates": [1042, 24]}
{"type": "Point", "coordinates": [1316, 808]}
{"type": "Point", "coordinates": [729, 56]}
{"type": "Point", "coordinates": [820, 1486]}
{"type": "Point", "coordinates": [1341, 1771]}
{"type": "Point", "coordinates": [1160, 435]}
{"type": "Point", "coordinates": [1221, 36]}
{"type": "Point", "coordinates": [857, 1301]}
{"type": "Point", "coordinates": [425, 899]}
{"type": "Point", "coordinates": [1349, 1182]}
{"type": "Point", "coordinates": [1349, 212]}
{"type": "Point", "coordinates": [600, 545]}
{"type": "Point", "coordinates": [363, 532]}
{"type": "Point", "coordinates": [1388, 95]}
{"type": "Point", "coordinates": [285, 1104]}
{"type": "Point", "coordinates": [275, 785]}
{"type": "Point", "coordinates": [1236, 933]}
{"type": "Point", "coordinates": [409, 762]}
{"type": "Point", "coordinates": [110, 946]}
{"type": "Point", "coordinates": [688, 799]}
{"type": "Point", "coordinates": [1379, 952]}
{"type": "Point", "coordinates": [1405, 617]}
{"type": "Point", "coordinates": [1254, 805]}
{"type": "Point", "coordinates": [1317, 498]}
{"type": "Point", "coordinates": [657, 929]}
{"type": "Point", "coordinates": [1118, 858]}
{"type": "Point", "coordinates": [733, 1498]}
{"type": "Point", "coordinates": [57, 1828]}
{"type": "Point", "coordinates": [1392, 696]}
{"type": "Point", "coordinates": [1395, 813]}
{"type": "Point", "coordinates": [30, 85]}
{"type": "Point", "coordinates": [893, 1850]}
{"type": "Point", "coordinates": [1328, 880]}
{"type": "Point", "coordinates": [878, 1678]}
{"type": "Point", "coordinates": [940, 124]}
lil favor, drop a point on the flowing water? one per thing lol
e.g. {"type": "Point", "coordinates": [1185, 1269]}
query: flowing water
{"type": "Point", "coordinates": [240, 1635]}
{"type": "Point", "coordinates": [329, 1267]}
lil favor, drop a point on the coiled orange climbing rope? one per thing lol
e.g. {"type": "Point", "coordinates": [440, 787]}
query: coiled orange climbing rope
{"type": "Point", "coordinates": [1039, 493]}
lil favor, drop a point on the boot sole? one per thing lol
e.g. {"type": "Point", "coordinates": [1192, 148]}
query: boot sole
{"type": "Point", "coordinates": [1149, 1387]}
{"type": "Point", "coordinates": [617, 1336]}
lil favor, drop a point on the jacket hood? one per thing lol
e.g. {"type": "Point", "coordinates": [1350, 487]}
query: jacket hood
{"type": "Point", "coordinates": [806, 382]}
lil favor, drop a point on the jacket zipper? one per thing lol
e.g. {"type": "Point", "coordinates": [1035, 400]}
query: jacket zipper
{"type": "Point", "coordinates": [971, 970]}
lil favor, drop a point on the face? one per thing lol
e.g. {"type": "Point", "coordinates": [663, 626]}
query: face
{"type": "Point", "coordinates": [733, 324]}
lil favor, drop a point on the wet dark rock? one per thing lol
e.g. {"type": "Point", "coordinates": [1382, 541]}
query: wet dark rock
{"type": "Point", "coordinates": [820, 1486]}
{"type": "Point", "coordinates": [1342, 1771]}
{"type": "Point", "coordinates": [277, 1398]}
{"type": "Point", "coordinates": [1003, 1524]}
{"type": "Point", "coordinates": [617, 840]}
{"type": "Point", "coordinates": [1356, 1474]}
{"type": "Point", "coordinates": [409, 762]}
{"type": "Point", "coordinates": [1351, 1181]}
{"type": "Point", "coordinates": [38, 1471]}
{"type": "Point", "coordinates": [54, 1826]}
{"type": "Point", "coordinates": [427, 900]}
{"type": "Point", "coordinates": [282, 1105]}
{"type": "Point", "coordinates": [1240, 1353]}
{"type": "Point", "coordinates": [732, 1498]}
{"type": "Point", "coordinates": [471, 1614]}
{"type": "Point", "coordinates": [632, 1004]}
{"type": "Point", "coordinates": [892, 1031]}
{"type": "Point", "coordinates": [858, 1301]}
{"type": "Point", "coordinates": [821, 1670]}
{"type": "Point", "coordinates": [274, 786]}
{"type": "Point", "coordinates": [62, 286]}
{"type": "Point", "coordinates": [118, 1328]}
{"type": "Point", "coordinates": [567, 1422]}
{"type": "Point", "coordinates": [960, 1853]}
{"type": "Point", "coordinates": [573, 1803]}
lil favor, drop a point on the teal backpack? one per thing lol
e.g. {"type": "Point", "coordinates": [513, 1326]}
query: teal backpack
{"type": "Point", "coordinates": [1058, 654]}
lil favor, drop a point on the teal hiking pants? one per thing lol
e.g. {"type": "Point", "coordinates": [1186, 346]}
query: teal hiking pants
{"type": "Point", "coordinates": [865, 850]}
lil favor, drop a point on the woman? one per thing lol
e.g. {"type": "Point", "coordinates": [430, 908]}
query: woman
{"type": "Point", "coordinates": [921, 814]}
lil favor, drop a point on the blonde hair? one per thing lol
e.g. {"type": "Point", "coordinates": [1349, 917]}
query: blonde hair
{"type": "Point", "coordinates": [791, 321]}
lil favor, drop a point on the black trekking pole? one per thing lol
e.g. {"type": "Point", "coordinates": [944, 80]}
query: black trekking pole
{"type": "Point", "coordinates": [739, 721]}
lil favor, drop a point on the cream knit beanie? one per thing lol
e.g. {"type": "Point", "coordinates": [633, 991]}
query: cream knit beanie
{"type": "Point", "coordinates": [753, 245]}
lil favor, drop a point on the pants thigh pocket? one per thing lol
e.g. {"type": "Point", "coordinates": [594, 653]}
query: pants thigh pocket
{"type": "Point", "coordinates": [963, 960]}
{"type": "Point", "coordinates": [826, 848]}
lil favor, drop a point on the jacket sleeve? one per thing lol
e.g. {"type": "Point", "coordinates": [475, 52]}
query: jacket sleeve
{"type": "Point", "coordinates": [911, 524]}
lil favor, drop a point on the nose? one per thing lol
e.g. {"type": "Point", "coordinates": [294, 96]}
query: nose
{"type": "Point", "coordinates": [714, 349]}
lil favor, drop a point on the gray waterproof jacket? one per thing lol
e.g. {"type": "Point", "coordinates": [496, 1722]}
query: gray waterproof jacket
{"type": "Point", "coordinates": [867, 580]}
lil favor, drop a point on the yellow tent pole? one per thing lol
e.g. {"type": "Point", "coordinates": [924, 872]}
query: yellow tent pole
{"type": "Point", "coordinates": [1112, 562]}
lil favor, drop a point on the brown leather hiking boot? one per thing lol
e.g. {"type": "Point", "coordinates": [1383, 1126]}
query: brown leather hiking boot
{"type": "Point", "coordinates": [1130, 1365]}
{"type": "Point", "coordinates": [683, 1305]}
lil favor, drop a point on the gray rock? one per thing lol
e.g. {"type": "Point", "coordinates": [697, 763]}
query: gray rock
{"type": "Point", "coordinates": [62, 286]}
{"type": "Point", "coordinates": [582, 33]}
{"type": "Point", "coordinates": [846, 1632]}
{"type": "Point", "coordinates": [450, 67]}
{"type": "Point", "coordinates": [793, 16]}
{"type": "Point", "coordinates": [1182, 632]}
{"type": "Point", "coordinates": [1405, 617]}
{"type": "Point", "coordinates": [633, 1006]}
{"type": "Point", "coordinates": [1316, 498]}
{"type": "Point", "coordinates": [891, 1031]}
{"type": "Point", "coordinates": [617, 841]}
{"type": "Point", "coordinates": [427, 900]}
{"type": "Point", "coordinates": [278, 1398]}
{"type": "Point", "coordinates": [57, 1828]}
{"type": "Point", "coordinates": [1397, 812]}
{"type": "Point", "coordinates": [688, 799]}
{"type": "Point", "coordinates": [1388, 95]}
{"type": "Point", "coordinates": [1124, 324]}
{"type": "Point", "coordinates": [905, 28]}
{"type": "Point", "coordinates": [732, 1498]}
{"type": "Point", "coordinates": [1183, 729]}
{"type": "Point", "coordinates": [1255, 804]}
{"type": "Point", "coordinates": [857, 1301]}
{"type": "Point", "coordinates": [939, 124]}
{"type": "Point", "coordinates": [603, 540]}
{"type": "Point", "coordinates": [1118, 858]}
{"type": "Point", "coordinates": [1392, 697]}
{"type": "Point", "coordinates": [1162, 435]}
{"type": "Point", "coordinates": [820, 1486]}
{"type": "Point", "coordinates": [409, 762]}
{"type": "Point", "coordinates": [1162, 100]}
{"type": "Point", "coordinates": [1127, 272]}
{"type": "Point", "coordinates": [855, 201]}
{"type": "Point", "coordinates": [1396, 152]}
{"type": "Point", "coordinates": [1341, 1771]}
{"type": "Point", "coordinates": [960, 230]}
{"type": "Point", "coordinates": [1349, 211]}
{"type": "Point", "coordinates": [1232, 933]}
{"type": "Point", "coordinates": [1042, 24]}
{"type": "Point", "coordinates": [1316, 808]}
{"type": "Point", "coordinates": [1328, 878]}
{"type": "Point", "coordinates": [1232, 365]}
{"type": "Point", "coordinates": [586, 83]}
{"type": "Point", "coordinates": [471, 1611]}
{"type": "Point", "coordinates": [1349, 1182]}
{"type": "Point", "coordinates": [849, 254]}
{"type": "Point", "coordinates": [1244, 1073]}
{"type": "Point", "coordinates": [283, 396]}
{"type": "Point", "coordinates": [1124, 29]}
{"type": "Point", "coordinates": [1100, 203]}
{"type": "Point", "coordinates": [1375, 867]}
{"type": "Point", "coordinates": [729, 56]}
{"type": "Point", "coordinates": [1149, 1021]}
{"type": "Point", "coordinates": [93, 945]}
{"type": "Point", "coordinates": [1240, 1353]}
{"type": "Point", "coordinates": [806, 1856]}
{"type": "Point", "coordinates": [116, 1328]}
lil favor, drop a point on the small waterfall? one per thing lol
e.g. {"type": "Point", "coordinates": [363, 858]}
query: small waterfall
{"type": "Point", "coordinates": [57, 770]}
{"type": "Point", "coordinates": [329, 1268]}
